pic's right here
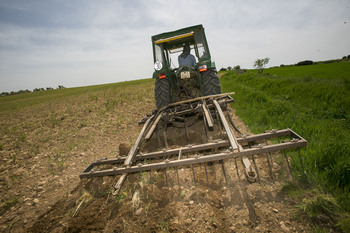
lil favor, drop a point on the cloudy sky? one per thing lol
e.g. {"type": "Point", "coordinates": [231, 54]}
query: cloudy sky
{"type": "Point", "coordinates": [46, 43]}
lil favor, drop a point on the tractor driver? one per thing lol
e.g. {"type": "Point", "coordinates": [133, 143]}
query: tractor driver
{"type": "Point", "coordinates": [186, 58]}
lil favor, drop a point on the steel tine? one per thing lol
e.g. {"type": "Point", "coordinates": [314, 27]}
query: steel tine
{"type": "Point", "coordinates": [206, 174]}
{"type": "Point", "coordinates": [224, 171]}
{"type": "Point", "coordinates": [301, 161]}
{"type": "Point", "coordinates": [219, 122]}
{"type": "Point", "coordinates": [289, 168]}
{"type": "Point", "coordinates": [164, 132]}
{"type": "Point", "coordinates": [271, 159]}
{"type": "Point", "coordinates": [150, 177]}
{"type": "Point", "coordinates": [158, 138]}
{"type": "Point", "coordinates": [256, 168]}
{"type": "Point", "coordinates": [177, 175]}
{"type": "Point", "coordinates": [186, 130]}
{"type": "Point", "coordinates": [271, 172]}
{"type": "Point", "coordinates": [205, 127]}
{"type": "Point", "coordinates": [194, 175]}
{"type": "Point", "coordinates": [166, 177]}
{"type": "Point", "coordinates": [239, 179]}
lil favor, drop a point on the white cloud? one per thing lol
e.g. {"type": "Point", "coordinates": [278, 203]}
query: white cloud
{"type": "Point", "coordinates": [77, 43]}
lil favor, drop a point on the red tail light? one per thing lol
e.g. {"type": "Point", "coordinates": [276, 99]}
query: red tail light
{"type": "Point", "coordinates": [161, 75]}
{"type": "Point", "coordinates": [202, 68]}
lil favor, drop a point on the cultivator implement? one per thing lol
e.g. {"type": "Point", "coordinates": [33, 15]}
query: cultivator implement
{"type": "Point", "coordinates": [196, 131]}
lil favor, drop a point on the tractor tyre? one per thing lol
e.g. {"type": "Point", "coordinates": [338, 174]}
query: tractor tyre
{"type": "Point", "coordinates": [162, 93]}
{"type": "Point", "coordinates": [211, 83]}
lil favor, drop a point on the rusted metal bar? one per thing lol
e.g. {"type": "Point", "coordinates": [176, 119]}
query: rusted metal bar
{"type": "Point", "coordinates": [200, 159]}
{"type": "Point", "coordinates": [201, 98]}
{"type": "Point", "coordinates": [153, 126]}
{"type": "Point", "coordinates": [205, 146]}
{"type": "Point", "coordinates": [208, 117]}
{"type": "Point", "coordinates": [231, 137]}
{"type": "Point", "coordinates": [131, 156]}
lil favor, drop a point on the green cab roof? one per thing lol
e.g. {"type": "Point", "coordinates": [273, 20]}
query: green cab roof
{"type": "Point", "coordinates": [176, 35]}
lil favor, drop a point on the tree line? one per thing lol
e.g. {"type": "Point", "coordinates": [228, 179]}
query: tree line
{"type": "Point", "coordinates": [28, 91]}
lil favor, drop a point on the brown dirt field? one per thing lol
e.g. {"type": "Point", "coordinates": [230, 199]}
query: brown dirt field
{"type": "Point", "coordinates": [46, 147]}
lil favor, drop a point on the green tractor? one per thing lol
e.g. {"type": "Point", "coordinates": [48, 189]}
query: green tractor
{"type": "Point", "coordinates": [176, 82]}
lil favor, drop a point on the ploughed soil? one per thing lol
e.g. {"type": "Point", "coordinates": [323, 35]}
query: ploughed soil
{"type": "Point", "coordinates": [44, 148]}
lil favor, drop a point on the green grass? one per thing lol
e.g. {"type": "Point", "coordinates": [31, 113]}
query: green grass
{"type": "Point", "coordinates": [16, 102]}
{"type": "Point", "coordinates": [314, 101]}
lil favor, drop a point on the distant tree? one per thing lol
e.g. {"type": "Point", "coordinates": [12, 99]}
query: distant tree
{"type": "Point", "coordinates": [348, 56]}
{"type": "Point", "coordinates": [261, 63]}
{"type": "Point", "coordinates": [305, 63]}
{"type": "Point", "coordinates": [60, 87]}
{"type": "Point", "coordinates": [237, 67]}
{"type": "Point", "coordinates": [223, 69]}
{"type": "Point", "coordinates": [229, 68]}
{"type": "Point", "coordinates": [49, 88]}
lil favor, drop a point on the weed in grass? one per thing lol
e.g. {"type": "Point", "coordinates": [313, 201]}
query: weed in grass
{"type": "Point", "coordinates": [344, 223]}
{"type": "Point", "coordinates": [319, 207]}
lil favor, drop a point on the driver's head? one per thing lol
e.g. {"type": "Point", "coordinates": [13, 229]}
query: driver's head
{"type": "Point", "coordinates": [187, 49]}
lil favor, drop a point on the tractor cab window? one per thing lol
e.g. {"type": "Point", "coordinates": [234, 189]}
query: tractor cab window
{"type": "Point", "coordinates": [159, 56]}
{"type": "Point", "coordinates": [202, 50]}
{"type": "Point", "coordinates": [175, 52]}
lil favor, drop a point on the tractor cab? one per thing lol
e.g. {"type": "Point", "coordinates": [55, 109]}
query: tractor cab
{"type": "Point", "coordinates": [174, 83]}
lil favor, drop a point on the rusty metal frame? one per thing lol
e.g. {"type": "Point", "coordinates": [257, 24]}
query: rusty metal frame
{"type": "Point", "coordinates": [231, 147]}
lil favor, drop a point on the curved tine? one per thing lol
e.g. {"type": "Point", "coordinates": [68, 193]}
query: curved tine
{"type": "Point", "coordinates": [289, 168]}
{"type": "Point", "coordinates": [256, 168]}
{"type": "Point", "coordinates": [270, 167]}
{"type": "Point", "coordinates": [239, 179]}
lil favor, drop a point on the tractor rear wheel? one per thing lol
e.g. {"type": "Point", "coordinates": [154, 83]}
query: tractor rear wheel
{"type": "Point", "coordinates": [162, 92]}
{"type": "Point", "coordinates": [211, 83]}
